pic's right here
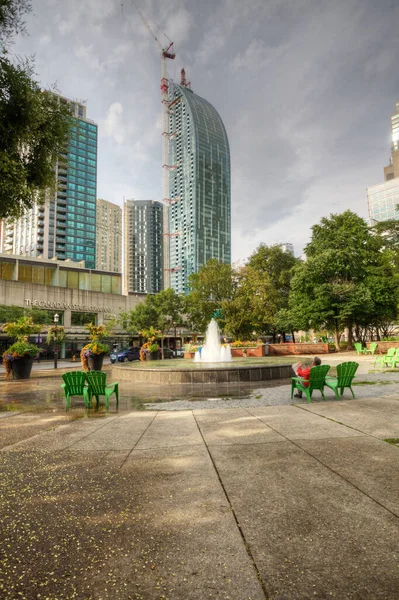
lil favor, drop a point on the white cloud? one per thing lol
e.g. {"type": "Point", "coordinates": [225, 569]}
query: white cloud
{"type": "Point", "coordinates": [113, 124]}
{"type": "Point", "coordinates": [65, 27]}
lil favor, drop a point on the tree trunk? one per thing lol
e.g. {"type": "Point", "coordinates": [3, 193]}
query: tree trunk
{"type": "Point", "coordinates": [377, 333]}
{"type": "Point", "coordinates": [293, 337]}
{"type": "Point", "coordinates": [337, 337]}
{"type": "Point", "coordinates": [350, 337]}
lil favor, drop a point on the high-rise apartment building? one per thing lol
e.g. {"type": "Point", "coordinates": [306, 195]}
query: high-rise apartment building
{"type": "Point", "coordinates": [143, 250]}
{"type": "Point", "coordinates": [64, 227]}
{"type": "Point", "coordinates": [108, 237]}
{"type": "Point", "coordinates": [383, 199]}
{"type": "Point", "coordinates": [288, 248]}
{"type": "Point", "coordinates": [392, 170]}
{"type": "Point", "coordinates": [199, 223]}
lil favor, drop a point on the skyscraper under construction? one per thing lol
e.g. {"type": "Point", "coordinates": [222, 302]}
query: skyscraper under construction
{"type": "Point", "coordinates": [199, 213]}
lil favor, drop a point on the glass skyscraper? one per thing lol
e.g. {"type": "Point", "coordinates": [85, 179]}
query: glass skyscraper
{"type": "Point", "coordinates": [143, 256]}
{"type": "Point", "coordinates": [199, 186]}
{"type": "Point", "coordinates": [64, 227]}
{"type": "Point", "coordinates": [383, 199]}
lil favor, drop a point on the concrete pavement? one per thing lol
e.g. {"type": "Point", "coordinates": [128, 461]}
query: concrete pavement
{"type": "Point", "coordinates": [288, 501]}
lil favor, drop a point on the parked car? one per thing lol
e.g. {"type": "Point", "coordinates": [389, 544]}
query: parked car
{"type": "Point", "coordinates": [167, 353]}
{"type": "Point", "coordinates": [179, 353]}
{"type": "Point", "coordinates": [125, 354]}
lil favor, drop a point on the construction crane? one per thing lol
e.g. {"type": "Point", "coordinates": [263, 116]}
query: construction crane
{"type": "Point", "coordinates": [167, 52]}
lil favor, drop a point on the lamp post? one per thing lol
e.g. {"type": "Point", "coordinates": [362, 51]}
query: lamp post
{"type": "Point", "coordinates": [56, 319]}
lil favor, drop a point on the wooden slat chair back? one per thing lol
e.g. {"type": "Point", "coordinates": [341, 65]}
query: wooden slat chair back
{"type": "Point", "coordinates": [75, 385]}
{"type": "Point", "coordinates": [345, 374]}
{"type": "Point", "coordinates": [383, 358]}
{"type": "Point", "coordinates": [97, 381]}
{"type": "Point", "coordinates": [358, 348]}
{"type": "Point", "coordinates": [317, 379]}
{"type": "Point", "coordinates": [391, 361]}
{"type": "Point", "coordinates": [372, 349]}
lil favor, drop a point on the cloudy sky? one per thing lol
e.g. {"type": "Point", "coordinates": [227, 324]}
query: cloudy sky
{"type": "Point", "coordinates": [305, 88]}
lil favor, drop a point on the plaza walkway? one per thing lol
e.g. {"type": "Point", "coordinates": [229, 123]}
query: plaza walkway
{"type": "Point", "coordinates": [292, 501]}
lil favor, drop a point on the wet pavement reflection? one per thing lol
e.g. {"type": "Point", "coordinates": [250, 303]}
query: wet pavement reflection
{"type": "Point", "coordinates": [46, 395]}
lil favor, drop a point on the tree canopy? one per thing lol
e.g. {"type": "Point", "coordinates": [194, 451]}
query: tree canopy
{"type": "Point", "coordinates": [33, 124]}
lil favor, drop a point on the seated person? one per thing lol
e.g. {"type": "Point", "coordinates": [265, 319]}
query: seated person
{"type": "Point", "coordinates": [304, 373]}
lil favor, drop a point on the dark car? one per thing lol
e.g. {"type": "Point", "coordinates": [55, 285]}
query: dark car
{"type": "Point", "coordinates": [167, 353]}
{"type": "Point", "coordinates": [125, 354]}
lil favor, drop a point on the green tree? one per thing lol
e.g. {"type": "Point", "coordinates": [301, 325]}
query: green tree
{"type": "Point", "coordinates": [278, 266]}
{"type": "Point", "coordinates": [33, 124]}
{"type": "Point", "coordinates": [210, 288]}
{"type": "Point", "coordinates": [334, 288]}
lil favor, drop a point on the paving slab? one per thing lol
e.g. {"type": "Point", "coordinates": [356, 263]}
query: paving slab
{"type": "Point", "coordinates": [378, 417]}
{"type": "Point", "coordinates": [187, 527]}
{"type": "Point", "coordinates": [311, 533]}
{"type": "Point", "coordinates": [58, 435]}
{"type": "Point", "coordinates": [23, 426]}
{"type": "Point", "coordinates": [369, 464]}
{"type": "Point", "coordinates": [171, 429]}
{"type": "Point", "coordinates": [120, 433]}
{"type": "Point", "coordinates": [295, 423]}
{"type": "Point", "coordinates": [234, 427]}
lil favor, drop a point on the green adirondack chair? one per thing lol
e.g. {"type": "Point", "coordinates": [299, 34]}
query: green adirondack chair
{"type": "Point", "coordinates": [359, 348]}
{"type": "Point", "coordinates": [97, 382]}
{"type": "Point", "coordinates": [391, 361]}
{"type": "Point", "coordinates": [345, 373]}
{"type": "Point", "coordinates": [75, 384]}
{"type": "Point", "coordinates": [316, 380]}
{"type": "Point", "coordinates": [385, 357]}
{"type": "Point", "coordinates": [372, 349]}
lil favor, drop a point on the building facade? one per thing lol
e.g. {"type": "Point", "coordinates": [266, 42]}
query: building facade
{"type": "Point", "coordinates": [199, 213]}
{"type": "Point", "coordinates": [392, 170]}
{"type": "Point", "coordinates": [64, 227]}
{"type": "Point", "coordinates": [383, 198]}
{"type": "Point", "coordinates": [78, 295]}
{"type": "Point", "coordinates": [108, 236]}
{"type": "Point", "coordinates": [143, 246]}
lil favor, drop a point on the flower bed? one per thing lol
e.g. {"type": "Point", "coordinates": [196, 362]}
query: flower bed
{"type": "Point", "coordinates": [248, 351]}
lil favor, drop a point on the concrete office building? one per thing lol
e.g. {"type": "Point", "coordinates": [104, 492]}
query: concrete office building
{"type": "Point", "coordinates": [143, 246]}
{"type": "Point", "coordinates": [76, 294]}
{"type": "Point", "coordinates": [64, 227]}
{"type": "Point", "coordinates": [108, 236]}
{"type": "Point", "coordinates": [199, 224]}
{"type": "Point", "coordinates": [383, 198]}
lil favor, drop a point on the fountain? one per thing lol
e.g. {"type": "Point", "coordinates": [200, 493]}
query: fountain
{"type": "Point", "coordinates": [212, 351]}
{"type": "Point", "coordinates": [212, 366]}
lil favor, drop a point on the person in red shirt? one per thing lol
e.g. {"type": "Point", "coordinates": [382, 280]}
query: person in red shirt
{"type": "Point", "coordinates": [304, 373]}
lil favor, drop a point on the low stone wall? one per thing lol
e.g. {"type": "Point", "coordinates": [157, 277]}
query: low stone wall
{"type": "Point", "coordinates": [225, 374]}
{"type": "Point", "coordinates": [383, 347]}
{"type": "Point", "coordinates": [289, 348]}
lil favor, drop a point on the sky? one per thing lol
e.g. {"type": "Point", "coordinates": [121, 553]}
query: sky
{"type": "Point", "coordinates": [305, 89]}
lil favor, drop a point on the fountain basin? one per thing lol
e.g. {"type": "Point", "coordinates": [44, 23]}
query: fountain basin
{"type": "Point", "coordinates": [201, 373]}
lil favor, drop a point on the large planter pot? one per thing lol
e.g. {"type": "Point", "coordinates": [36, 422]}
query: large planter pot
{"type": "Point", "coordinates": [22, 367]}
{"type": "Point", "coordinates": [95, 362]}
{"type": "Point", "coordinates": [152, 355]}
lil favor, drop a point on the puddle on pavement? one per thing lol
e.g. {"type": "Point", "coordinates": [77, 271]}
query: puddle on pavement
{"type": "Point", "coordinates": [45, 395]}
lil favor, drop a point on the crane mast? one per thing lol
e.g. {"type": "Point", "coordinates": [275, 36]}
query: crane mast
{"type": "Point", "coordinates": [167, 52]}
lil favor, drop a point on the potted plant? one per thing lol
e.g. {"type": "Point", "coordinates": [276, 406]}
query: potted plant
{"type": "Point", "coordinates": [18, 358]}
{"type": "Point", "coordinates": [55, 335]}
{"type": "Point", "coordinates": [150, 350]}
{"type": "Point", "coordinates": [92, 355]}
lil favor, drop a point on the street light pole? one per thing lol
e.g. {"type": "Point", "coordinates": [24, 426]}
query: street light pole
{"type": "Point", "coordinates": [56, 318]}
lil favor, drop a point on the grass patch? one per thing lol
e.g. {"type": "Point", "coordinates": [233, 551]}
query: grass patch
{"type": "Point", "coordinates": [393, 441]}
{"type": "Point", "coordinates": [374, 382]}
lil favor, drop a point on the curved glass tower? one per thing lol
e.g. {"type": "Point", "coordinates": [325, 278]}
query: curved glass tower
{"type": "Point", "coordinates": [199, 186]}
